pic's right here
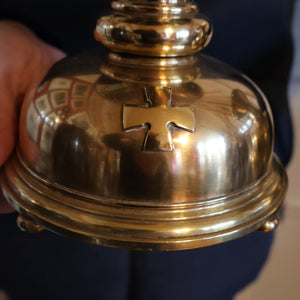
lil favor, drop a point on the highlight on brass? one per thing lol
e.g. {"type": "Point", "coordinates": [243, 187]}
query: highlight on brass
{"type": "Point", "coordinates": [154, 28]}
{"type": "Point", "coordinates": [155, 151]}
{"type": "Point", "coordinates": [159, 116]}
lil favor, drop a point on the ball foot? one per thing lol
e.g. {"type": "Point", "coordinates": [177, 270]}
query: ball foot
{"type": "Point", "coordinates": [270, 225]}
{"type": "Point", "coordinates": [27, 224]}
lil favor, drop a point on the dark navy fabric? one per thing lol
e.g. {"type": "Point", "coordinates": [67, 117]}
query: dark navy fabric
{"type": "Point", "coordinates": [47, 266]}
{"type": "Point", "coordinates": [252, 35]}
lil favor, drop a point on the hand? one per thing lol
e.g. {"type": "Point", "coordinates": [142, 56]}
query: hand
{"type": "Point", "coordinates": [24, 61]}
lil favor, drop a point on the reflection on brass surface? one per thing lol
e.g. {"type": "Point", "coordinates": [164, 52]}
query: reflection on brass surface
{"type": "Point", "coordinates": [270, 225]}
{"type": "Point", "coordinates": [153, 29]}
{"type": "Point", "coordinates": [150, 226]}
{"type": "Point", "coordinates": [28, 225]}
{"type": "Point", "coordinates": [159, 116]}
{"type": "Point", "coordinates": [217, 147]}
{"type": "Point", "coordinates": [147, 153]}
{"type": "Point", "coordinates": [154, 71]}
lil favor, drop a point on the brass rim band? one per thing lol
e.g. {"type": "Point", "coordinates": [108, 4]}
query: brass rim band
{"type": "Point", "coordinates": [151, 228]}
{"type": "Point", "coordinates": [123, 59]}
{"type": "Point", "coordinates": [150, 8]}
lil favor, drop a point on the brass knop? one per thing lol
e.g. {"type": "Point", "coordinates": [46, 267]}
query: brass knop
{"type": "Point", "coordinates": [154, 28]}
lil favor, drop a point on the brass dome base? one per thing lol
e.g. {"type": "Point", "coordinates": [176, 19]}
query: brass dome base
{"type": "Point", "coordinates": [144, 227]}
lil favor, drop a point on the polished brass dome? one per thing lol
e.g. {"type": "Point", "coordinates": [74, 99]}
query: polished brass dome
{"type": "Point", "coordinates": [148, 147]}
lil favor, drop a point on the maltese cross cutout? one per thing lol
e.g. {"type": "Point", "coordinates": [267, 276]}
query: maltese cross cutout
{"type": "Point", "coordinates": [159, 116]}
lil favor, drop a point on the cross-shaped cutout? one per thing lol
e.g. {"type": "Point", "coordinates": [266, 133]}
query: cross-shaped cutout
{"type": "Point", "coordinates": [159, 116]}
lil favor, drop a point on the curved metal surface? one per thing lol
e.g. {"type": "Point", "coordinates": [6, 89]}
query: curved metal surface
{"type": "Point", "coordinates": [147, 153]}
{"type": "Point", "coordinates": [131, 140]}
{"type": "Point", "coordinates": [159, 28]}
{"type": "Point", "coordinates": [140, 227]}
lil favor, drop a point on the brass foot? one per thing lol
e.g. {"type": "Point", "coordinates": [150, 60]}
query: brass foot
{"type": "Point", "coordinates": [270, 225]}
{"type": "Point", "coordinates": [27, 224]}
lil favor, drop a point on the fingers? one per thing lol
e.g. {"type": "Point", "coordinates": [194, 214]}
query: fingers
{"type": "Point", "coordinates": [24, 61]}
{"type": "Point", "coordinates": [8, 125]}
{"type": "Point", "coordinates": [8, 133]}
{"type": "Point", "coordinates": [5, 207]}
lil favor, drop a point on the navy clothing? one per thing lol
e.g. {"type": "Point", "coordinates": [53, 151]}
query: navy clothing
{"type": "Point", "coordinates": [252, 35]}
{"type": "Point", "coordinates": [47, 266]}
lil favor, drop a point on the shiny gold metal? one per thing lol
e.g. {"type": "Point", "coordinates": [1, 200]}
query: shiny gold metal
{"type": "Point", "coordinates": [28, 225]}
{"type": "Point", "coordinates": [270, 225]}
{"type": "Point", "coordinates": [159, 116]}
{"type": "Point", "coordinates": [147, 153]}
{"type": "Point", "coordinates": [154, 28]}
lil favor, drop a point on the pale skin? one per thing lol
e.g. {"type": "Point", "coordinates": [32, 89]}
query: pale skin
{"type": "Point", "coordinates": [24, 61]}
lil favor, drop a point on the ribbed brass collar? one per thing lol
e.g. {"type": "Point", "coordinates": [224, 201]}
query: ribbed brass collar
{"type": "Point", "coordinates": [154, 28]}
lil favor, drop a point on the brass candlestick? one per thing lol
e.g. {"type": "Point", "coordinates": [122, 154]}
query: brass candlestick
{"type": "Point", "coordinates": [150, 146]}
